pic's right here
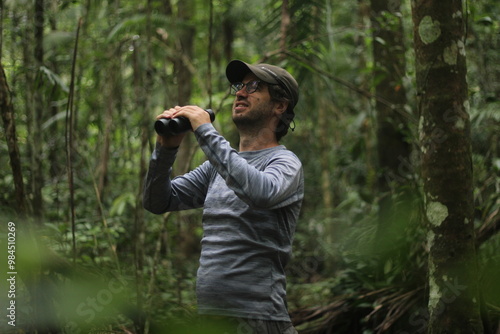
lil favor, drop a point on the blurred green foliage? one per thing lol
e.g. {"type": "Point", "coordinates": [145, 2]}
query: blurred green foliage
{"type": "Point", "coordinates": [118, 280]}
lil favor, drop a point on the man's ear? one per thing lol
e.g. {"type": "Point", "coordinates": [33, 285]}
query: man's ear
{"type": "Point", "coordinates": [280, 107]}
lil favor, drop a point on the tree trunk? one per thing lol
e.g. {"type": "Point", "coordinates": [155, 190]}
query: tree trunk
{"type": "Point", "coordinates": [184, 78]}
{"type": "Point", "coordinates": [228, 32]}
{"type": "Point", "coordinates": [1, 28]}
{"type": "Point", "coordinates": [285, 23]}
{"type": "Point", "coordinates": [142, 86]}
{"type": "Point", "coordinates": [392, 128]}
{"type": "Point", "coordinates": [54, 146]}
{"type": "Point", "coordinates": [325, 110]}
{"type": "Point", "coordinates": [444, 126]}
{"type": "Point", "coordinates": [9, 124]}
{"type": "Point", "coordinates": [37, 112]}
{"type": "Point", "coordinates": [185, 226]}
{"type": "Point", "coordinates": [110, 89]}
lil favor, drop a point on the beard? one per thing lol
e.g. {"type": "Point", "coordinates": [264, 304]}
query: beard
{"type": "Point", "coordinates": [255, 119]}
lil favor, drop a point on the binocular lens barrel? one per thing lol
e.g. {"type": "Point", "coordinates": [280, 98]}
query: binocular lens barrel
{"type": "Point", "coordinates": [176, 126]}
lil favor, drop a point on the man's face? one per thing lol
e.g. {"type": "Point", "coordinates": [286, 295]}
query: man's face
{"type": "Point", "coordinates": [254, 109]}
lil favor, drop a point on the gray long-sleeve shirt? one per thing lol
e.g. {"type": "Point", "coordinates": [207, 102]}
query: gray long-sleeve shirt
{"type": "Point", "coordinates": [251, 203]}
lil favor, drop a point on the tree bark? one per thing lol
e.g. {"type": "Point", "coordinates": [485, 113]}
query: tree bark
{"type": "Point", "coordinates": [9, 124]}
{"type": "Point", "coordinates": [444, 127]}
{"type": "Point", "coordinates": [53, 143]}
{"type": "Point", "coordinates": [37, 112]}
{"type": "Point", "coordinates": [1, 28]}
{"type": "Point", "coordinates": [185, 47]}
{"type": "Point", "coordinates": [285, 23]}
{"type": "Point", "coordinates": [109, 116]}
{"type": "Point", "coordinates": [185, 78]}
{"type": "Point", "coordinates": [228, 32]}
{"type": "Point", "coordinates": [325, 110]}
{"type": "Point", "coordinates": [392, 128]}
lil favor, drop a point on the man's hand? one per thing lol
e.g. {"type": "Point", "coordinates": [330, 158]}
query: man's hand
{"type": "Point", "coordinates": [169, 141]}
{"type": "Point", "coordinates": [196, 115]}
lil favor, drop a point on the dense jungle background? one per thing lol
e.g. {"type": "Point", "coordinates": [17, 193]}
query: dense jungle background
{"type": "Point", "coordinates": [83, 80]}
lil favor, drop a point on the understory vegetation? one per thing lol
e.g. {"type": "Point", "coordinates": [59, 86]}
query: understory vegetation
{"type": "Point", "coordinates": [85, 91]}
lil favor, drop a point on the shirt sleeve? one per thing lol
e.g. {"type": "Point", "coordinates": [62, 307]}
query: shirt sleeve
{"type": "Point", "coordinates": [276, 186]}
{"type": "Point", "coordinates": [161, 194]}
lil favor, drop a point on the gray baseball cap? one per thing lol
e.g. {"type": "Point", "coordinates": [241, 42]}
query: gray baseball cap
{"type": "Point", "coordinates": [237, 69]}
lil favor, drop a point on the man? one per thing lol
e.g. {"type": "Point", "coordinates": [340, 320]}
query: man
{"type": "Point", "coordinates": [251, 199]}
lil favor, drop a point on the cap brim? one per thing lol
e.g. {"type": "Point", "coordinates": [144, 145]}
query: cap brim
{"type": "Point", "coordinates": [236, 71]}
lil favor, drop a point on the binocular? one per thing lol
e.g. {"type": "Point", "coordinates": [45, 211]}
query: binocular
{"type": "Point", "coordinates": [177, 125]}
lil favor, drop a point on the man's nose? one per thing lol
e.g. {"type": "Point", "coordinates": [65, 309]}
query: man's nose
{"type": "Point", "coordinates": [242, 92]}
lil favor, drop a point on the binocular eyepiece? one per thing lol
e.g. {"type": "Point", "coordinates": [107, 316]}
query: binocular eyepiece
{"type": "Point", "coordinates": [177, 125]}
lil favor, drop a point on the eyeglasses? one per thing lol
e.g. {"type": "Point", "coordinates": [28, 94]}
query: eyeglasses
{"type": "Point", "coordinates": [250, 87]}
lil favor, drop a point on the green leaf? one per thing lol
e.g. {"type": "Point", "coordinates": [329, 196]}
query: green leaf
{"type": "Point", "coordinates": [120, 203]}
{"type": "Point", "coordinates": [54, 78]}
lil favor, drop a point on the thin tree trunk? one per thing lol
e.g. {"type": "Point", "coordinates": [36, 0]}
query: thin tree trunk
{"type": "Point", "coordinates": [26, 42]}
{"type": "Point", "coordinates": [228, 28]}
{"type": "Point", "coordinates": [143, 83]}
{"type": "Point", "coordinates": [285, 23]}
{"type": "Point", "coordinates": [392, 129]}
{"type": "Point", "coordinates": [36, 134]}
{"type": "Point", "coordinates": [1, 28]}
{"type": "Point", "coordinates": [69, 136]}
{"type": "Point", "coordinates": [139, 323]}
{"type": "Point", "coordinates": [184, 78]}
{"type": "Point", "coordinates": [325, 112]}
{"type": "Point", "coordinates": [9, 124]}
{"type": "Point", "coordinates": [111, 82]}
{"type": "Point", "coordinates": [439, 38]}
{"type": "Point", "coordinates": [53, 143]}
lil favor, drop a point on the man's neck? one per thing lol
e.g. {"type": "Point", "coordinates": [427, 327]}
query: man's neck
{"type": "Point", "coordinates": [257, 142]}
